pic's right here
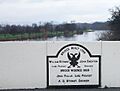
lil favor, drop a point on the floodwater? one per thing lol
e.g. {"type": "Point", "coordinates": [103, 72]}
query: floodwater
{"type": "Point", "coordinates": [86, 36]}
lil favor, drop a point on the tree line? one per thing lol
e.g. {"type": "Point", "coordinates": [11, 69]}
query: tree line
{"type": "Point", "coordinates": [34, 28]}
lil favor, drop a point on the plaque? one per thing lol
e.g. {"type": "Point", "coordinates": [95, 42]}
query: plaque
{"type": "Point", "coordinates": [73, 66]}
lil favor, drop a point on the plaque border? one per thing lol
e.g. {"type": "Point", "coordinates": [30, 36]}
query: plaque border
{"type": "Point", "coordinates": [74, 86]}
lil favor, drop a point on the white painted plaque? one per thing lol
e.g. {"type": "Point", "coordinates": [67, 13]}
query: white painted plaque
{"type": "Point", "coordinates": [72, 66]}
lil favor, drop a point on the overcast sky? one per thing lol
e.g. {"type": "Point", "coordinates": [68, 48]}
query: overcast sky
{"type": "Point", "coordinates": [33, 11]}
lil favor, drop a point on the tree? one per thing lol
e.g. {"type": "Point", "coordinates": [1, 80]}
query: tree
{"type": "Point", "coordinates": [69, 26]}
{"type": "Point", "coordinates": [114, 24]}
{"type": "Point", "coordinates": [114, 21]}
{"type": "Point", "coordinates": [48, 26]}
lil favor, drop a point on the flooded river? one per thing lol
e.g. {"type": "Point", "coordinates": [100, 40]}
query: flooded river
{"type": "Point", "coordinates": [86, 36]}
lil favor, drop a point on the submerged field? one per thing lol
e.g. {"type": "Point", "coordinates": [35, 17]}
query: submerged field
{"type": "Point", "coordinates": [35, 36]}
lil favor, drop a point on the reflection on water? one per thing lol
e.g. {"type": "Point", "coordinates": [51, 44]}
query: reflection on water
{"type": "Point", "coordinates": [86, 36]}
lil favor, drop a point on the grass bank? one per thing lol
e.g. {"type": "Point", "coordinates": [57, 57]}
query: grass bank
{"type": "Point", "coordinates": [34, 36]}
